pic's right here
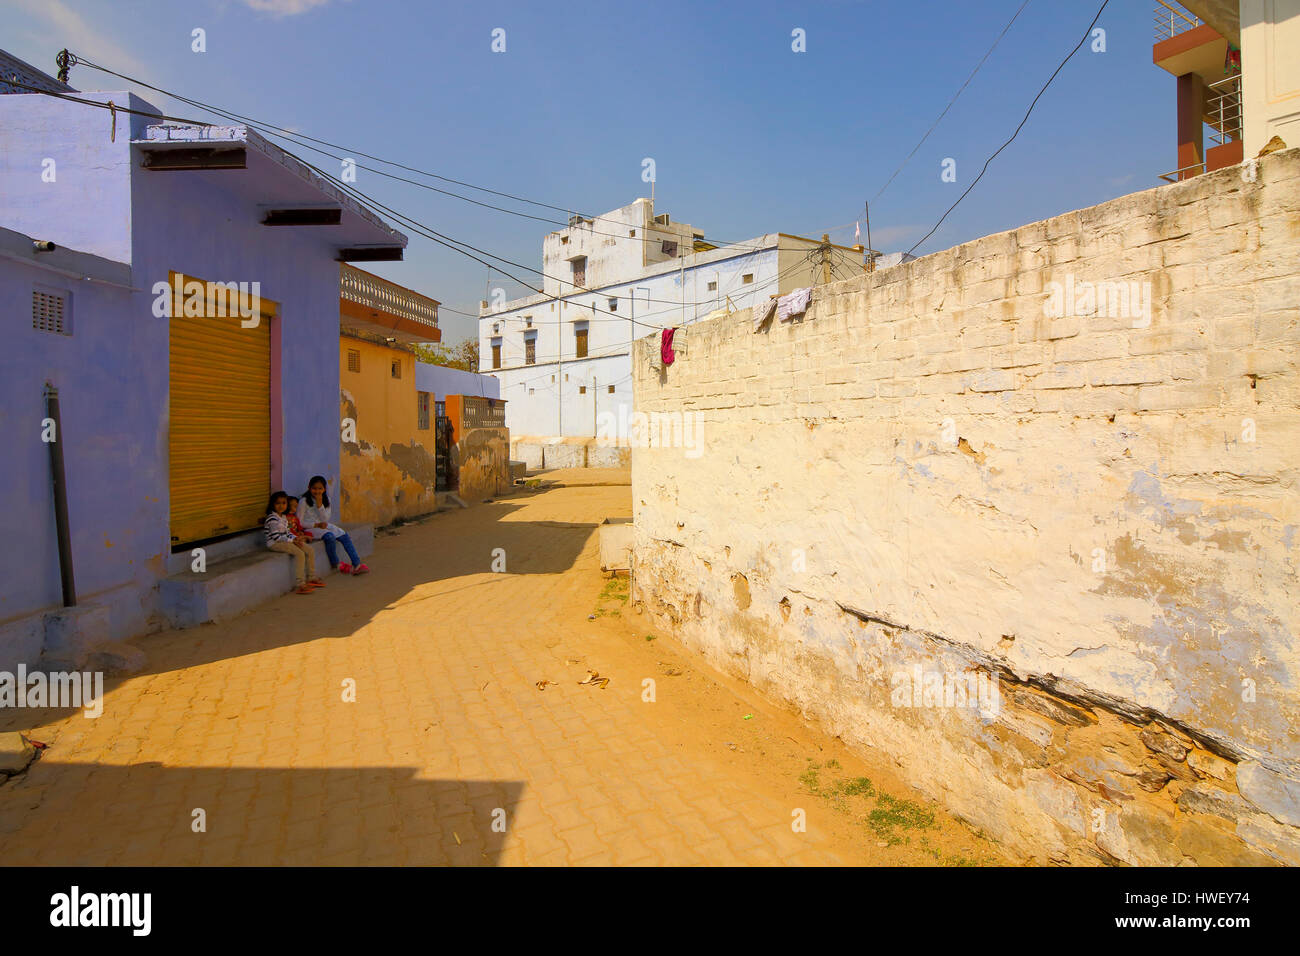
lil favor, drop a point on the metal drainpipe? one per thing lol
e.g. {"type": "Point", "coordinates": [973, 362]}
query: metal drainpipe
{"type": "Point", "coordinates": [60, 497]}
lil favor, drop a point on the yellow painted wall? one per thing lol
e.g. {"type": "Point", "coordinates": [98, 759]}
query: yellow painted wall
{"type": "Point", "coordinates": [389, 471]}
{"type": "Point", "coordinates": [798, 270]}
{"type": "Point", "coordinates": [1270, 73]}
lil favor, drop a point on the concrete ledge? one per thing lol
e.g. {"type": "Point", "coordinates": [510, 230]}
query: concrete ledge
{"type": "Point", "coordinates": [246, 543]}
{"type": "Point", "coordinates": [529, 452]}
{"type": "Point", "coordinates": [230, 587]}
{"type": "Point", "coordinates": [544, 453]}
{"type": "Point", "coordinates": [564, 454]}
{"type": "Point", "coordinates": [72, 632]}
{"type": "Point", "coordinates": [21, 641]}
{"type": "Point", "coordinates": [608, 456]}
{"type": "Point", "coordinates": [616, 544]}
{"type": "Point", "coordinates": [67, 636]}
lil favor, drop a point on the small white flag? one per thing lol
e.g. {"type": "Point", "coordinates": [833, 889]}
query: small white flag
{"type": "Point", "coordinates": [857, 231]}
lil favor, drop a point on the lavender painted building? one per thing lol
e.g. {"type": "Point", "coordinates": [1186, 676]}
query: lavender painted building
{"type": "Point", "coordinates": [441, 381]}
{"type": "Point", "coordinates": [154, 427]}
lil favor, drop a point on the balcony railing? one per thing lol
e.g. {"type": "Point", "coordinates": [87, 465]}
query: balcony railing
{"type": "Point", "coordinates": [1171, 20]}
{"type": "Point", "coordinates": [1223, 110]}
{"type": "Point", "coordinates": [370, 291]}
{"type": "Point", "coordinates": [1187, 172]}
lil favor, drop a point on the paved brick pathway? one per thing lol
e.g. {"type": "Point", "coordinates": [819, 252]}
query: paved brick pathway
{"type": "Point", "coordinates": [448, 735]}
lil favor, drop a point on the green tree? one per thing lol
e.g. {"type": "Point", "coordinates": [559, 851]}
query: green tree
{"type": "Point", "coordinates": [463, 355]}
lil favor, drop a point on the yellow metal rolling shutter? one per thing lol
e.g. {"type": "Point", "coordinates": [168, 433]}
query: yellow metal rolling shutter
{"type": "Point", "coordinates": [220, 431]}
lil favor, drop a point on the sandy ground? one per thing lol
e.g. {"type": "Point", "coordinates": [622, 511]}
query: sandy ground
{"type": "Point", "coordinates": [240, 743]}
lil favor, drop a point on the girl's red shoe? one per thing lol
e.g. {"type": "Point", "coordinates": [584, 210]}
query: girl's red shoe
{"type": "Point", "coordinates": [345, 568]}
{"type": "Point", "coordinates": [360, 569]}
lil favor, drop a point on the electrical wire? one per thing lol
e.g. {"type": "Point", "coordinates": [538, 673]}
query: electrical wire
{"type": "Point", "coordinates": [424, 230]}
{"type": "Point", "coordinates": [298, 138]}
{"type": "Point", "coordinates": [956, 95]}
{"type": "Point", "coordinates": [939, 119]}
{"type": "Point", "coordinates": [421, 228]}
{"type": "Point", "coordinates": [1087, 33]}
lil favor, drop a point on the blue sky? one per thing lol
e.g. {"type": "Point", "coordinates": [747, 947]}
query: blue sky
{"type": "Point", "coordinates": [747, 136]}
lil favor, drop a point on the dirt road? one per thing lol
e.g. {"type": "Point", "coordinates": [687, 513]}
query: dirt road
{"type": "Point", "coordinates": [397, 719]}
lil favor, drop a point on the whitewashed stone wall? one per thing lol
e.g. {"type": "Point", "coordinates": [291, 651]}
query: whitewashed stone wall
{"type": "Point", "coordinates": [1099, 509]}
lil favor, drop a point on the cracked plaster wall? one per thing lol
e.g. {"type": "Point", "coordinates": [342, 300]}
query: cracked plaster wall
{"type": "Point", "coordinates": [1101, 509]}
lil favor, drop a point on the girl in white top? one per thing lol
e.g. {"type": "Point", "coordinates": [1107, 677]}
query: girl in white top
{"type": "Point", "coordinates": [316, 515]}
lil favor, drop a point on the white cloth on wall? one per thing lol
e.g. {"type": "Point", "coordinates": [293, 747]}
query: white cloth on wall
{"type": "Point", "coordinates": [793, 303]}
{"type": "Point", "coordinates": [763, 312]}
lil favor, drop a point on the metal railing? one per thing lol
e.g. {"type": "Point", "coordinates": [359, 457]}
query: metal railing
{"type": "Point", "coordinates": [1171, 20]}
{"type": "Point", "coordinates": [1223, 110]}
{"type": "Point", "coordinates": [357, 285]}
{"type": "Point", "coordinates": [1184, 173]}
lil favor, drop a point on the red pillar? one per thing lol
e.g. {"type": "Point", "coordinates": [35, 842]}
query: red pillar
{"type": "Point", "coordinates": [1191, 113]}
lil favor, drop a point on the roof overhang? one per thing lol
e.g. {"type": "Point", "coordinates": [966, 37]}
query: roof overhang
{"type": "Point", "coordinates": [288, 191]}
{"type": "Point", "coordinates": [1223, 15]}
{"type": "Point", "coordinates": [1201, 50]}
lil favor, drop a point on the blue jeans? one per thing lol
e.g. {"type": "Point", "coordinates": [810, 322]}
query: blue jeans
{"type": "Point", "coordinates": [331, 551]}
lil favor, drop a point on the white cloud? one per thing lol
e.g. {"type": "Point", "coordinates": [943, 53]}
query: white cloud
{"type": "Point", "coordinates": [283, 8]}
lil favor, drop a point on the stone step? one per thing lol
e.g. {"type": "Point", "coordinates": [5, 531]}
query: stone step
{"type": "Point", "coordinates": [233, 585]}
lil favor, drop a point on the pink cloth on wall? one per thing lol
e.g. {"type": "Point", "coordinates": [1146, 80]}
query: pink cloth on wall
{"type": "Point", "coordinates": [666, 346]}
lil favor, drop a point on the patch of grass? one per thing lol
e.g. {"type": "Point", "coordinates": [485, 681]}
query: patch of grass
{"type": "Point", "coordinates": [649, 637]}
{"type": "Point", "coordinates": [832, 764]}
{"type": "Point", "coordinates": [840, 792]}
{"type": "Point", "coordinates": [809, 778]}
{"type": "Point", "coordinates": [615, 592]}
{"type": "Point", "coordinates": [892, 815]}
{"type": "Point", "coordinates": [857, 787]}
{"type": "Point", "coordinates": [615, 587]}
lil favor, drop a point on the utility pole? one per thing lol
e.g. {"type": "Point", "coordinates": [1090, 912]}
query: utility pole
{"type": "Point", "coordinates": [559, 365]}
{"type": "Point", "coordinates": [826, 257]}
{"type": "Point", "coordinates": [871, 252]}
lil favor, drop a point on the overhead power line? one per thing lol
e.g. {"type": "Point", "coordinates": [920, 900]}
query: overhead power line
{"type": "Point", "coordinates": [302, 139]}
{"type": "Point", "coordinates": [421, 228]}
{"type": "Point", "coordinates": [954, 99]}
{"type": "Point", "coordinates": [1086, 33]}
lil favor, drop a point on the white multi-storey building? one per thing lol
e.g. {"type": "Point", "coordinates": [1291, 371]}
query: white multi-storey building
{"type": "Point", "coordinates": [564, 356]}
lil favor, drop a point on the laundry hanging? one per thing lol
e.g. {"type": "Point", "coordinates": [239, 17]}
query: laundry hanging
{"type": "Point", "coordinates": [793, 304]}
{"type": "Point", "coordinates": [666, 346]}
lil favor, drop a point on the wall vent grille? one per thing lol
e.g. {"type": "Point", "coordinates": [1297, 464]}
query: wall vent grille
{"type": "Point", "coordinates": [50, 312]}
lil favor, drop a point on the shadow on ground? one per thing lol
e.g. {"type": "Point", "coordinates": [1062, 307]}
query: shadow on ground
{"type": "Point", "coordinates": [427, 558]}
{"type": "Point", "coordinates": [253, 817]}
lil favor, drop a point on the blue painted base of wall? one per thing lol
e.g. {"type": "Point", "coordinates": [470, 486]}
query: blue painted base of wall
{"type": "Point", "coordinates": [248, 576]}
{"type": "Point", "coordinates": [65, 637]}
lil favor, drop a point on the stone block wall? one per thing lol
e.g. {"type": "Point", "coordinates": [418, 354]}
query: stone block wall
{"type": "Point", "coordinates": [1059, 462]}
